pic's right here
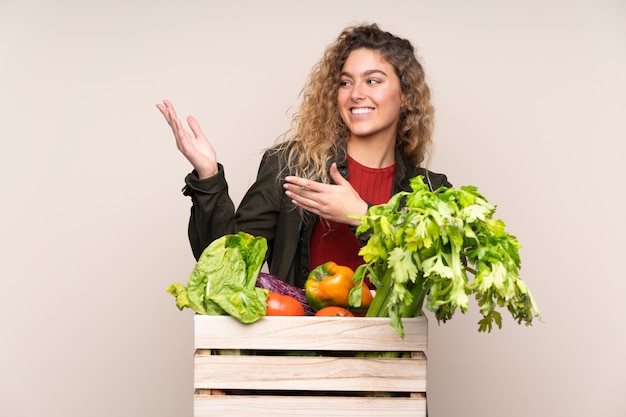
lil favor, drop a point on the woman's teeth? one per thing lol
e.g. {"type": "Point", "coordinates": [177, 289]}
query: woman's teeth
{"type": "Point", "coordinates": [362, 110]}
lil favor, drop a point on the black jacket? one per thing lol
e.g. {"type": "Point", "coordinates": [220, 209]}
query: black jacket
{"type": "Point", "coordinates": [266, 211]}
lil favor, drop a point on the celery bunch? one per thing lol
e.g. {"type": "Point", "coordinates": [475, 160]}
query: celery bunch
{"type": "Point", "coordinates": [422, 245]}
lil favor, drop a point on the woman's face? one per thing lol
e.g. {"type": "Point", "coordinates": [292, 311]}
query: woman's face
{"type": "Point", "coordinates": [369, 96]}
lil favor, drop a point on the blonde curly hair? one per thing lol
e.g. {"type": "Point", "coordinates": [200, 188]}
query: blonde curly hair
{"type": "Point", "coordinates": [318, 134]}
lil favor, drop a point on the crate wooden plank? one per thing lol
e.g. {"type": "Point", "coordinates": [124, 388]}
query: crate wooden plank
{"type": "Point", "coordinates": [310, 333]}
{"type": "Point", "coordinates": [310, 373]}
{"type": "Point", "coordinates": [302, 406]}
{"type": "Point", "coordinates": [272, 378]}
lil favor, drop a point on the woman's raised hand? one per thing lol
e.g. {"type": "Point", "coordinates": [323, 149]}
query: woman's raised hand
{"type": "Point", "coordinates": [196, 148]}
{"type": "Point", "coordinates": [330, 201]}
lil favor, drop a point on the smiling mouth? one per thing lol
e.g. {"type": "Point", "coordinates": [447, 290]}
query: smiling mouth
{"type": "Point", "coordinates": [361, 110]}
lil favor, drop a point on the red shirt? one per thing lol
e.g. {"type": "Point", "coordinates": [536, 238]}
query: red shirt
{"type": "Point", "coordinates": [332, 241]}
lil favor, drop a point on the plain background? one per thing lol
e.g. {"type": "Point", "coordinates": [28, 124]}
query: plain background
{"type": "Point", "coordinates": [531, 105]}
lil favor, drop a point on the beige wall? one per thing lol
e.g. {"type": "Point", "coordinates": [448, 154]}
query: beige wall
{"type": "Point", "coordinates": [530, 99]}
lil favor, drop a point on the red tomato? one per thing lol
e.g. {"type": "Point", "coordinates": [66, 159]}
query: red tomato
{"type": "Point", "coordinates": [334, 311]}
{"type": "Point", "coordinates": [283, 305]}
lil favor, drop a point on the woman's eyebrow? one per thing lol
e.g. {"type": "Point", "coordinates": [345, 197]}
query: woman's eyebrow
{"type": "Point", "coordinates": [366, 73]}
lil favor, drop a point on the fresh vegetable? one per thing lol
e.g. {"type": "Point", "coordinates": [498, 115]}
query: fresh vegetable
{"type": "Point", "coordinates": [330, 284]}
{"type": "Point", "coordinates": [334, 311]}
{"type": "Point", "coordinates": [423, 244]}
{"type": "Point", "coordinates": [283, 305]}
{"type": "Point", "coordinates": [224, 279]}
{"type": "Point", "coordinates": [275, 284]}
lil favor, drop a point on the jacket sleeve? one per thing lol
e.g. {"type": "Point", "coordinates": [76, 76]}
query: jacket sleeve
{"type": "Point", "coordinates": [212, 211]}
{"type": "Point", "coordinates": [213, 214]}
{"type": "Point", "coordinates": [259, 211]}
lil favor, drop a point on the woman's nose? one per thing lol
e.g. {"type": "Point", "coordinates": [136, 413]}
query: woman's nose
{"type": "Point", "coordinates": [357, 94]}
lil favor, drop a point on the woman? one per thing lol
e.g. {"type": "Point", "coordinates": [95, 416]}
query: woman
{"type": "Point", "coordinates": [362, 131]}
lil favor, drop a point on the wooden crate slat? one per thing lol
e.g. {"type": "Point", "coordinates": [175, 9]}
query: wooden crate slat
{"type": "Point", "coordinates": [295, 406]}
{"type": "Point", "coordinates": [310, 333]}
{"type": "Point", "coordinates": [272, 377]}
{"type": "Point", "coordinates": [310, 373]}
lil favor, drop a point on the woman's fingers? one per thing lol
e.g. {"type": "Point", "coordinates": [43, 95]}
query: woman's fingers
{"type": "Point", "coordinates": [331, 201]}
{"type": "Point", "coordinates": [301, 183]}
{"type": "Point", "coordinates": [195, 128]}
{"type": "Point", "coordinates": [194, 146]}
{"type": "Point", "coordinates": [302, 192]}
{"type": "Point", "coordinates": [169, 113]}
{"type": "Point", "coordinates": [318, 198]}
{"type": "Point", "coordinates": [336, 175]}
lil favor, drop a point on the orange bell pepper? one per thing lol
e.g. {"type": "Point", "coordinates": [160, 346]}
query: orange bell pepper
{"type": "Point", "coordinates": [329, 285]}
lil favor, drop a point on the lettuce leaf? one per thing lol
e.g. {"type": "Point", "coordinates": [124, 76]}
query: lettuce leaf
{"type": "Point", "coordinates": [223, 280]}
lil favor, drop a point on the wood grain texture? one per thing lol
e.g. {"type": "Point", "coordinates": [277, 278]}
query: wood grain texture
{"type": "Point", "coordinates": [309, 366]}
{"type": "Point", "coordinates": [310, 333]}
{"type": "Point", "coordinates": [282, 406]}
{"type": "Point", "coordinates": [310, 373]}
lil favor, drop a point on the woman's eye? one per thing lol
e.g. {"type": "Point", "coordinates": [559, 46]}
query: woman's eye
{"type": "Point", "coordinates": [344, 83]}
{"type": "Point", "coordinates": [373, 81]}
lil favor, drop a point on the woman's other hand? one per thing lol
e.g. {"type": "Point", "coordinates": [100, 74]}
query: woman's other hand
{"type": "Point", "coordinates": [196, 148]}
{"type": "Point", "coordinates": [330, 201]}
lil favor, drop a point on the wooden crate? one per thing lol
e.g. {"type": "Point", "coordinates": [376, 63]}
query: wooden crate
{"type": "Point", "coordinates": [308, 366]}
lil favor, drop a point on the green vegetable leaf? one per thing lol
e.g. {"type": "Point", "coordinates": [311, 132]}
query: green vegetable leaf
{"type": "Point", "coordinates": [421, 246]}
{"type": "Point", "coordinates": [180, 292]}
{"type": "Point", "coordinates": [223, 280]}
{"type": "Point", "coordinates": [246, 305]}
